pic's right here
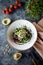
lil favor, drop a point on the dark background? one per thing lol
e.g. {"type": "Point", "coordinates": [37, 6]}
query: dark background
{"type": "Point", "coordinates": [27, 55]}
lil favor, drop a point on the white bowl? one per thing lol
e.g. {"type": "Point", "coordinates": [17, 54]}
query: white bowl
{"type": "Point", "coordinates": [19, 23]}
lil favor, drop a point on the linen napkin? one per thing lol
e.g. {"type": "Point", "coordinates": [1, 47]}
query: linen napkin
{"type": "Point", "coordinates": [38, 46]}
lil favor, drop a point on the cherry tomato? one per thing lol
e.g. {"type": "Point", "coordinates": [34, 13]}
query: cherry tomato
{"type": "Point", "coordinates": [15, 7]}
{"type": "Point", "coordinates": [11, 6]}
{"type": "Point", "coordinates": [19, 5]}
{"type": "Point", "coordinates": [3, 11]}
{"type": "Point", "coordinates": [6, 9]}
{"type": "Point", "coordinates": [16, 2]}
{"type": "Point", "coordinates": [7, 12]}
{"type": "Point", "coordinates": [10, 10]}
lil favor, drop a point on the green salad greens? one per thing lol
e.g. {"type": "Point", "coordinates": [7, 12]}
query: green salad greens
{"type": "Point", "coordinates": [34, 8]}
{"type": "Point", "coordinates": [22, 34]}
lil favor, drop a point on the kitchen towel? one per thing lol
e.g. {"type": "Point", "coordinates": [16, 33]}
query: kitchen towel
{"type": "Point", "coordinates": [38, 46]}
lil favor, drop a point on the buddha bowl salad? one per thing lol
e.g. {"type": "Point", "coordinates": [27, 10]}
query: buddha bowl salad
{"type": "Point", "coordinates": [22, 35]}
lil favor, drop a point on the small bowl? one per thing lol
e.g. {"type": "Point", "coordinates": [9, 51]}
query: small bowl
{"type": "Point", "coordinates": [17, 24]}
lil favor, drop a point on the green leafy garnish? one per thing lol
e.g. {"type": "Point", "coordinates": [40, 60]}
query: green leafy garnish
{"type": "Point", "coordinates": [22, 34]}
{"type": "Point", "coordinates": [34, 8]}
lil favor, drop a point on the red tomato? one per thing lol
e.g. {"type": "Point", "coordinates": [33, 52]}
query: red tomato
{"type": "Point", "coordinates": [6, 9]}
{"type": "Point", "coordinates": [15, 7]}
{"type": "Point", "coordinates": [11, 6]}
{"type": "Point", "coordinates": [3, 11]}
{"type": "Point", "coordinates": [16, 2]}
{"type": "Point", "coordinates": [19, 5]}
{"type": "Point", "coordinates": [7, 12]}
{"type": "Point", "coordinates": [10, 10]}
